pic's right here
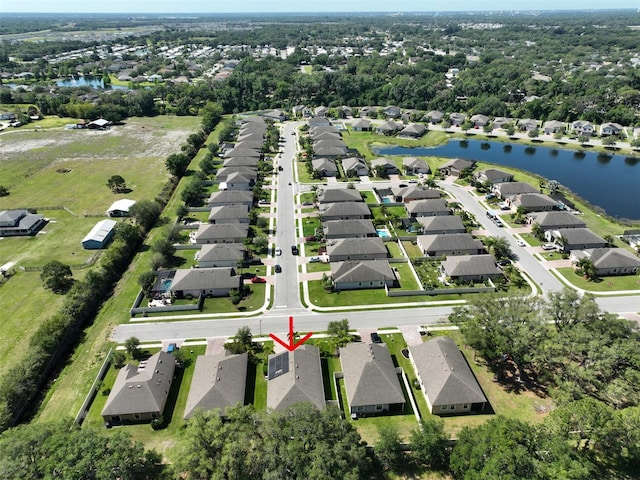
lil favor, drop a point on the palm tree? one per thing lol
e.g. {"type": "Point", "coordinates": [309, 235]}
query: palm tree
{"type": "Point", "coordinates": [499, 247]}
{"type": "Point", "coordinates": [585, 267]}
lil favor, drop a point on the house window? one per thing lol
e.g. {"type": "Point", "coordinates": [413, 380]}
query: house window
{"type": "Point", "coordinates": [154, 415]}
{"type": "Point", "coordinates": [359, 408]}
{"type": "Point", "coordinates": [465, 406]}
{"type": "Point", "coordinates": [378, 407]}
{"type": "Point", "coordinates": [444, 407]}
{"type": "Point", "coordinates": [453, 407]}
{"type": "Point", "coordinates": [136, 416]}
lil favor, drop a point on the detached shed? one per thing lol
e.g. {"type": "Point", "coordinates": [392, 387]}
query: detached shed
{"type": "Point", "coordinates": [120, 208]}
{"type": "Point", "coordinates": [100, 235]}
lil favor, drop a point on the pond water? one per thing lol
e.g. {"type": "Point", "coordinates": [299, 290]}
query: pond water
{"type": "Point", "coordinates": [82, 81]}
{"type": "Point", "coordinates": [610, 182]}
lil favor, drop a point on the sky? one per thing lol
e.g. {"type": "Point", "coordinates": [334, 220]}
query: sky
{"type": "Point", "coordinates": [261, 6]}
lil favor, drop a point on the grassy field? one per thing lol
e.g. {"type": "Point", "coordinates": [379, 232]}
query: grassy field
{"type": "Point", "coordinates": [605, 284]}
{"type": "Point", "coordinates": [29, 167]}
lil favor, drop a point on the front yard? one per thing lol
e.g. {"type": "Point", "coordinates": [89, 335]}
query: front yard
{"type": "Point", "coordinates": [604, 284]}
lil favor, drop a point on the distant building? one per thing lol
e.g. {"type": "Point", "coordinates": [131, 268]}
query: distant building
{"type": "Point", "coordinates": [100, 235]}
{"type": "Point", "coordinates": [15, 223]}
{"type": "Point", "coordinates": [120, 208]}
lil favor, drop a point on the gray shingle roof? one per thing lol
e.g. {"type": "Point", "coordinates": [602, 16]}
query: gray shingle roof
{"type": "Point", "coordinates": [458, 163]}
{"type": "Point", "coordinates": [229, 212]}
{"type": "Point", "coordinates": [231, 197]}
{"type": "Point", "coordinates": [492, 174]}
{"type": "Point", "coordinates": [205, 279]}
{"type": "Point", "coordinates": [357, 226]}
{"type": "Point", "coordinates": [470, 265]}
{"type": "Point", "coordinates": [141, 390]}
{"type": "Point", "coordinates": [441, 223]}
{"type": "Point", "coordinates": [579, 235]}
{"type": "Point", "coordinates": [612, 258]}
{"type": "Point", "coordinates": [534, 200]}
{"type": "Point", "coordinates": [356, 246]}
{"type": "Point", "coordinates": [361, 271]}
{"type": "Point", "coordinates": [221, 251]}
{"type": "Point", "coordinates": [218, 382]}
{"type": "Point", "coordinates": [556, 219]}
{"type": "Point", "coordinates": [344, 209]}
{"type": "Point", "coordinates": [302, 383]}
{"type": "Point", "coordinates": [324, 165]}
{"type": "Point", "coordinates": [446, 376]}
{"type": "Point", "coordinates": [515, 188]}
{"type": "Point", "coordinates": [370, 377]}
{"type": "Point", "coordinates": [414, 192]}
{"type": "Point", "coordinates": [427, 206]}
{"type": "Point", "coordinates": [222, 231]}
{"type": "Point", "coordinates": [415, 163]}
{"type": "Point", "coordinates": [451, 241]}
{"type": "Point", "coordinates": [335, 195]}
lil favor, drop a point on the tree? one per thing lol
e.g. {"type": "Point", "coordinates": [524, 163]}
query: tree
{"type": "Point", "coordinates": [117, 184]}
{"type": "Point", "coordinates": [57, 277]}
{"type": "Point", "coordinates": [611, 242]}
{"type": "Point", "coordinates": [585, 267]}
{"type": "Point", "coordinates": [145, 213]}
{"type": "Point", "coordinates": [429, 443]}
{"type": "Point", "coordinates": [387, 447]}
{"type": "Point", "coordinates": [535, 133]}
{"type": "Point", "coordinates": [4, 191]}
{"type": "Point", "coordinates": [164, 247]}
{"type": "Point", "coordinates": [132, 346]}
{"type": "Point", "coordinates": [128, 233]}
{"type": "Point", "coordinates": [510, 129]}
{"type": "Point", "coordinates": [499, 247]}
{"type": "Point", "coordinates": [244, 338]}
{"type": "Point", "coordinates": [64, 450]}
{"type": "Point", "coordinates": [118, 358]}
{"type": "Point", "coordinates": [177, 164]}
{"type": "Point", "coordinates": [146, 281]}
{"type": "Point", "coordinates": [208, 165]}
{"type": "Point", "coordinates": [339, 332]}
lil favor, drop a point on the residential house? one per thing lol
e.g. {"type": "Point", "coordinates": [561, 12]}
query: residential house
{"type": "Point", "coordinates": [479, 120]}
{"type": "Point", "coordinates": [361, 125]}
{"type": "Point", "coordinates": [492, 176]}
{"type": "Point", "coordinates": [299, 111]}
{"type": "Point", "coordinates": [412, 193]}
{"type": "Point", "coordinates": [251, 144]}
{"type": "Point", "coordinates": [334, 137]}
{"type": "Point", "coordinates": [387, 165]}
{"type": "Point", "coordinates": [533, 202]}
{"type": "Point", "coordinates": [230, 197]}
{"type": "Point", "coordinates": [351, 229]}
{"type": "Point", "coordinates": [318, 121]}
{"type": "Point", "coordinates": [527, 125]}
{"type": "Point", "coordinates": [218, 383]}
{"type": "Point", "coordinates": [325, 166]}
{"type": "Point", "coordinates": [275, 115]}
{"type": "Point", "coordinates": [329, 152]}
{"type": "Point", "coordinates": [575, 239]}
{"type": "Point", "coordinates": [415, 166]}
{"type": "Point", "coordinates": [336, 195]}
{"type": "Point", "coordinates": [344, 111]}
{"type": "Point", "coordinates": [501, 122]}
{"type": "Point", "coordinates": [221, 255]}
{"type": "Point", "coordinates": [15, 223]}
{"type": "Point", "coordinates": [441, 245]}
{"type": "Point", "coordinates": [470, 268]}
{"type": "Point", "coordinates": [555, 220]}
{"type": "Point", "coordinates": [371, 379]}
{"type": "Point", "coordinates": [316, 130]}
{"type": "Point", "coordinates": [243, 152]}
{"type": "Point", "coordinates": [389, 127]}
{"type": "Point", "coordinates": [511, 189]}
{"type": "Point", "coordinates": [413, 130]}
{"type": "Point", "coordinates": [99, 124]}
{"type": "Point", "coordinates": [392, 111]}
{"type": "Point", "coordinates": [344, 211]}
{"type": "Point", "coordinates": [229, 214]}
{"type": "Point", "coordinates": [120, 208]}
{"type": "Point", "coordinates": [609, 261]}
{"type": "Point", "coordinates": [457, 119]}
{"type": "Point", "coordinates": [607, 129]}
{"type": "Point", "coordinates": [446, 381]}
{"type": "Point", "coordinates": [321, 111]}
{"type": "Point", "coordinates": [140, 392]}
{"type": "Point", "coordinates": [582, 128]}
{"type": "Point", "coordinates": [434, 116]}
{"type": "Point", "coordinates": [100, 235]}
{"type": "Point", "coordinates": [210, 282]}
{"type": "Point", "coordinates": [238, 181]}
{"type": "Point", "coordinates": [441, 225]}
{"type": "Point", "coordinates": [359, 274]}
{"type": "Point", "coordinates": [366, 111]}
{"type": "Point", "coordinates": [354, 166]}
{"type": "Point", "coordinates": [250, 162]}
{"type": "Point", "coordinates": [294, 377]}
{"type": "Point", "coordinates": [333, 142]}
{"type": "Point", "coordinates": [554, 126]}
{"type": "Point", "coordinates": [456, 166]}
{"type": "Point", "coordinates": [223, 174]}
{"type": "Point", "coordinates": [427, 208]}
{"type": "Point", "coordinates": [343, 249]}
{"type": "Point", "coordinates": [222, 233]}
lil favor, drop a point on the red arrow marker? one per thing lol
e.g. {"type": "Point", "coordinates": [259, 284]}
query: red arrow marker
{"type": "Point", "coordinates": [292, 345]}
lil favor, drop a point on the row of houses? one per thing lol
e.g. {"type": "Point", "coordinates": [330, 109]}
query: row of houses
{"type": "Point", "coordinates": [371, 381]}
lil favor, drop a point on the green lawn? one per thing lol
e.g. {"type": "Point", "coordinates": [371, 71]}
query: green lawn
{"type": "Point", "coordinates": [362, 141]}
{"type": "Point", "coordinates": [309, 225]}
{"type": "Point", "coordinates": [406, 277]}
{"type": "Point", "coordinates": [369, 197]}
{"type": "Point", "coordinates": [412, 249]}
{"type": "Point", "coordinates": [531, 239]}
{"type": "Point", "coordinates": [318, 267]}
{"type": "Point", "coordinates": [604, 284]}
{"type": "Point", "coordinates": [394, 250]}
{"type": "Point", "coordinates": [159, 440]}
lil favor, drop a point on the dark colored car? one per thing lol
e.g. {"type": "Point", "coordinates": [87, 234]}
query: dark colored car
{"type": "Point", "coordinates": [278, 268]}
{"type": "Point", "coordinates": [294, 249]}
{"type": "Point", "coordinates": [375, 338]}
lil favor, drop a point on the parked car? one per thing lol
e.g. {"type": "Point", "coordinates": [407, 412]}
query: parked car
{"type": "Point", "coordinates": [294, 250]}
{"type": "Point", "coordinates": [520, 243]}
{"type": "Point", "coordinates": [402, 185]}
{"type": "Point", "coordinates": [503, 262]}
{"type": "Point", "coordinates": [278, 268]}
{"type": "Point", "coordinates": [549, 246]}
{"type": "Point", "coordinates": [375, 338]}
{"type": "Point", "coordinates": [278, 252]}
{"type": "Point", "coordinates": [314, 260]}
{"type": "Point", "coordinates": [280, 168]}
{"type": "Point", "coordinates": [255, 261]}
{"type": "Point", "coordinates": [258, 280]}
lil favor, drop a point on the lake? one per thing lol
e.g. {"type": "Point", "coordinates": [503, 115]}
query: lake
{"type": "Point", "coordinates": [93, 82]}
{"type": "Point", "coordinates": [610, 182]}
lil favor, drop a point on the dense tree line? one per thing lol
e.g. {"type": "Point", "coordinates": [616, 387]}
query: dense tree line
{"type": "Point", "coordinates": [564, 345]}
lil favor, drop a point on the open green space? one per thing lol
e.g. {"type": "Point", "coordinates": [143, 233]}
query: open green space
{"type": "Point", "coordinates": [604, 284]}
{"type": "Point", "coordinates": [394, 250]}
{"type": "Point", "coordinates": [405, 276]}
{"type": "Point", "coordinates": [369, 197]}
{"type": "Point", "coordinates": [309, 225]}
{"type": "Point", "coordinates": [363, 141]}
{"type": "Point", "coordinates": [318, 267]}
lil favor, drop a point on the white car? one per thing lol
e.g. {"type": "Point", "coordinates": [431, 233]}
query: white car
{"type": "Point", "coordinates": [521, 243]}
{"type": "Point", "coordinates": [314, 260]}
{"type": "Point", "coordinates": [548, 246]}
{"type": "Point", "coordinates": [278, 252]}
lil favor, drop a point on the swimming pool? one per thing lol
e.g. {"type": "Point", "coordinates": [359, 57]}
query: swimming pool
{"type": "Point", "coordinates": [386, 200]}
{"type": "Point", "coordinates": [383, 233]}
{"type": "Point", "coordinates": [165, 284]}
